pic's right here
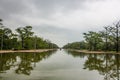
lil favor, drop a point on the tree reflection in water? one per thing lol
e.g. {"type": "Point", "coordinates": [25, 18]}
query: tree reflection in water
{"type": "Point", "coordinates": [26, 63]}
{"type": "Point", "coordinates": [7, 61]}
{"type": "Point", "coordinates": [107, 65]}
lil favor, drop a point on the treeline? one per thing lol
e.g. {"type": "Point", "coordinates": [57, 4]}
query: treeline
{"type": "Point", "coordinates": [23, 39]}
{"type": "Point", "coordinates": [75, 45]}
{"type": "Point", "coordinates": [105, 40]}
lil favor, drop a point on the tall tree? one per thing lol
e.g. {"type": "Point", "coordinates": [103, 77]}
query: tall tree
{"type": "Point", "coordinates": [1, 33]}
{"type": "Point", "coordinates": [27, 37]}
{"type": "Point", "coordinates": [24, 32]}
{"type": "Point", "coordinates": [115, 32]}
{"type": "Point", "coordinates": [21, 35]}
{"type": "Point", "coordinates": [105, 34]}
{"type": "Point", "coordinates": [7, 33]}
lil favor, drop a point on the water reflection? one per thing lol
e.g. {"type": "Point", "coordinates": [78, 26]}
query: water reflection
{"type": "Point", "coordinates": [107, 65]}
{"type": "Point", "coordinates": [22, 62]}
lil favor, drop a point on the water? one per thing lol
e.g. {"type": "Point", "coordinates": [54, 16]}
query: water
{"type": "Point", "coordinates": [59, 65]}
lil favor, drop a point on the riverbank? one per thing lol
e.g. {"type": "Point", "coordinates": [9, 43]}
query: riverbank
{"type": "Point", "coordinates": [95, 52]}
{"type": "Point", "coordinates": [26, 51]}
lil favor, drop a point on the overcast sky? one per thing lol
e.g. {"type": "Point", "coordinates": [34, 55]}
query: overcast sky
{"type": "Point", "coordinates": [60, 21]}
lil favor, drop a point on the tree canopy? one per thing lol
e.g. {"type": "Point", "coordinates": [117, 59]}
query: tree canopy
{"type": "Point", "coordinates": [107, 39]}
{"type": "Point", "coordinates": [23, 39]}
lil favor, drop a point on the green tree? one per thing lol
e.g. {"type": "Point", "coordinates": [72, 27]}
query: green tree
{"type": "Point", "coordinates": [24, 34]}
{"type": "Point", "coordinates": [24, 39]}
{"type": "Point", "coordinates": [7, 33]}
{"type": "Point", "coordinates": [1, 34]}
{"type": "Point", "coordinates": [93, 40]}
{"type": "Point", "coordinates": [105, 34]}
{"type": "Point", "coordinates": [115, 32]}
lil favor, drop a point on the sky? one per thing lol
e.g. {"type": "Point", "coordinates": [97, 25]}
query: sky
{"type": "Point", "coordinates": [60, 21]}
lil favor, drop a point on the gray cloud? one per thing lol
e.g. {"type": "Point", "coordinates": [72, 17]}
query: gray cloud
{"type": "Point", "coordinates": [61, 21]}
{"type": "Point", "coordinates": [11, 7]}
{"type": "Point", "coordinates": [51, 6]}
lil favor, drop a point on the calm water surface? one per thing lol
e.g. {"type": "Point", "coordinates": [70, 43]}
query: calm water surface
{"type": "Point", "coordinates": [59, 65]}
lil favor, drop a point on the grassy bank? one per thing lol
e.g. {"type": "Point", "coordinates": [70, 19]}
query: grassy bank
{"type": "Point", "coordinates": [12, 51]}
{"type": "Point", "coordinates": [94, 52]}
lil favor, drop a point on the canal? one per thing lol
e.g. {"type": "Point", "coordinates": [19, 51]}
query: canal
{"type": "Point", "coordinates": [59, 65]}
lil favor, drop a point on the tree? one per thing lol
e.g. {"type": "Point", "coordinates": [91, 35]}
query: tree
{"type": "Point", "coordinates": [1, 33]}
{"type": "Point", "coordinates": [27, 37]}
{"type": "Point", "coordinates": [105, 34]}
{"type": "Point", "coordinates": [106, 37]}
{"type": "Point", "coordinates": [24, 34]}
{"type": "Point", "coordinates": [21, 34]}
{"type": "Point", "coordinates": [28, 31]}
{"type": "Point", "coordinates": [116, 34]}
{"type": "Point", "coordinates": [7, 33]}
{"type": "Point", "coordinates": [1, 23]}
{"type": "Point", "coordinates": [93, 40]}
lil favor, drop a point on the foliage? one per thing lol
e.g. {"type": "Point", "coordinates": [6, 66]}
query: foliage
{"type": "Point", "coordinates": [107, 40]}
{"type": "Point", "coordinates": [76, 45]}
{"type": "Point", "coordinates": [24, 39]}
